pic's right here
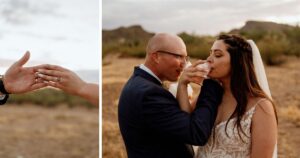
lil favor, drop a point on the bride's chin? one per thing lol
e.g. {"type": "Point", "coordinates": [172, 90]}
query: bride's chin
{"type": "Point", "coordinates": [210, 76]}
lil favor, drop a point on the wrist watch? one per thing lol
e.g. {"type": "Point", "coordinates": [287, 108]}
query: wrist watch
{"type": "Point", "coordinates": [3, 93]}
{"type": "Point", "coordinates": [2, 88]}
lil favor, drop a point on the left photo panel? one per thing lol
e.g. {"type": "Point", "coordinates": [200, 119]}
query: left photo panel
{"type": "Point", "coordinates": [49, 78]}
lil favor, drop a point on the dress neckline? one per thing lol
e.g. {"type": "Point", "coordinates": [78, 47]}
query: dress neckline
{"type": "Point", "coordinates": [247, 113]}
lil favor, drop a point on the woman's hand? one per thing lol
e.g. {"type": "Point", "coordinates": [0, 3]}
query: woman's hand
{"type": "Point", "coordinates": [69, 82]}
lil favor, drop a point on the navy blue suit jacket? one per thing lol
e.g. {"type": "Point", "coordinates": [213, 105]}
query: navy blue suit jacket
{"type": "Point", "coordinates": [152, 124]}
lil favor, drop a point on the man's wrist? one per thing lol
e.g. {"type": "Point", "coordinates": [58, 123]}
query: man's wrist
{"type": "Point", "coordinates": [2, 87]}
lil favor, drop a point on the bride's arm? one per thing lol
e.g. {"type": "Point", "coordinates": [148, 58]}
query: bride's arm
{"type": "Point", "coordinates": [263, 131]}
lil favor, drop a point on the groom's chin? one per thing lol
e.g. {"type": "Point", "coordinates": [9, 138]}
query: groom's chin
{"type": "Point", "coordinates": [175, 79]}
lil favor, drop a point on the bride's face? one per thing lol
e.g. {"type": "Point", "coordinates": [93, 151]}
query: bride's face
{"type": "Point", "coordinates": [219, 60]}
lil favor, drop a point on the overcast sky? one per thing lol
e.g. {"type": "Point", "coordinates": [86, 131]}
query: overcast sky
{"type": "Point", "coordinates": [197, 16]}
{"type": "Point", "coordinates": [63, 32]}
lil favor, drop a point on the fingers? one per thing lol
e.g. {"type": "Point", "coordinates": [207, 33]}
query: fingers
{"type": "Point", "coordinates": [54, 84]}
{"type": "Point", "coordinates": [37, 86]}
{"type": "Point", "coordinates": [39, 80]}
{"type": "Point", "coordinates": [50, 67]}
{"type": "Point", "coordinates": [50, 83]}
{"type": "Point", "coordinates": [198, 62]}
{"type": "Point", "coordinates": [50, 73]}
{"type": "Point", "coordinates": [24, 59]}
{"type": "Point", "coordinates": [193, 75]}
{"type": "Point", "coordinates": [196, 74]}
{"type": "Point", "coordinates": [194, 70]}
{"type": "Point", "coordinates": [49, 78]}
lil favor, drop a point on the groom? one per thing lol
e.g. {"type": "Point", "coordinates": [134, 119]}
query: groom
{"type": "Point", "coordinates": [151, 122]}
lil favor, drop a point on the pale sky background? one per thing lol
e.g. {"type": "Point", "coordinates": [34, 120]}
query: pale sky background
{"type": "Point", "coordinates": [63, 32]}
{"type": "Point", "coordinates": [202, 17]}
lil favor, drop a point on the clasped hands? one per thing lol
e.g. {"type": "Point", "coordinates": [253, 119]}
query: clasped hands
{"type": "Point", "coordinates": [194, 74]}
{"type": "Point", "coordinates": [19, 79]}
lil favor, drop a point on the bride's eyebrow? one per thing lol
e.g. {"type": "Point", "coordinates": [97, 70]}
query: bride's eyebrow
{"type": "Point", "coordinates": [216, 50]}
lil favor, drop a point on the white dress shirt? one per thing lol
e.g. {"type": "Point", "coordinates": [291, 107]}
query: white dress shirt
{"type": "Point", "coordinates": [145, 68]}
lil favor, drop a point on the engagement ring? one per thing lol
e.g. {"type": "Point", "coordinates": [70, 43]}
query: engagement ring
{"type": "Point", "coordinates": [58, 79]}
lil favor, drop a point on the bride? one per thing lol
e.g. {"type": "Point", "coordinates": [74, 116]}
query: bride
{"type": "Point", "coordinates": [246, 122]}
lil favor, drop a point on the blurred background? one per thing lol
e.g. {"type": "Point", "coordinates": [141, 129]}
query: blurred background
{"type": "Point", "coordinates": [49, 123]}
{"type": "Point", "coordinates": [274, 26]}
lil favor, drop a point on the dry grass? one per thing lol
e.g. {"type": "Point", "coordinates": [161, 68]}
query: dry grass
{"type": "Point", "coordinates": [37, 132]}
{"type": "Point", "coordinates": [292, 114]}
{"type": "Point", "coordinates": [112, 143]}
{"type": "Point", "coordinates": [284, 84]}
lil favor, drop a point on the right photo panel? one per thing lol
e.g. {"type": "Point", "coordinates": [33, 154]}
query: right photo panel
{"type": "Point", "coordinates": [200, 79]}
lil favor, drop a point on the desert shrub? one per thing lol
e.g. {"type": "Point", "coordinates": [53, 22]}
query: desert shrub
{"type": "Point", "coordinates": [197, 46]}
{"type": "Point", "coordinates": [48, 97]}
{"type": "Point", "coordinates": [273, 46]}
{"type": "Point", "coordinates": [293, 35]}
{"type": "Point", "coordinates": [109, 48]}
{"type": "Point", "coordinates": [134, 50]}
{"type": "Point", "coordinates": [254, 35]}
{"type": "Point", "coordinates": [130, 48]}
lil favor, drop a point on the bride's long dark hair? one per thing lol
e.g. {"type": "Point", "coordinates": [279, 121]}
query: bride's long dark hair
{"type": "Point", "coordinates": [244, 81]}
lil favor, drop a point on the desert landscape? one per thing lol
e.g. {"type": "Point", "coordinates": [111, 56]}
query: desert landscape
{"type": "Point", "coordinates": [31, 131]}
{"type": "Point", "coordinates": [284, 84]}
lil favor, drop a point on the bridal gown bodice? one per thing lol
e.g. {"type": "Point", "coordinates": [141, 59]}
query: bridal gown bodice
{"type": "Point", "coordinates": [231, 146]}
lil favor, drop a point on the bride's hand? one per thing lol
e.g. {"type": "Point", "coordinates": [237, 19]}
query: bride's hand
{"type": "Point", "coordinates": [69, 82]}
{"type": "Point", "coordinates": [193, 74]}
{"type": "Point", "coordinates": [61, 78]}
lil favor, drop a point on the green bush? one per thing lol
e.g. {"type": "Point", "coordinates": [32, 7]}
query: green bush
{"type": "Point", "coordinates": [254, 35]}
{"type": "Point", "coordinates": [129, 48]}
{"type": "Point", "coordinates": [197, 46]}
{"type": "Point", "coordinates": [273, 47]}
{"type": "Point", "coordinates": [294, 36]}
{"type": "Point", "coordinates": [49, 98]}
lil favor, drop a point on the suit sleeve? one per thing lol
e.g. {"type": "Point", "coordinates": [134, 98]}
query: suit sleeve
{"type": "Point", "coordinates": [163, 115]}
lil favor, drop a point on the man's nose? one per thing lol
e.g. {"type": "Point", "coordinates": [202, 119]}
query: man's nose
{"type": "Point", "coordinates": [183, 63]}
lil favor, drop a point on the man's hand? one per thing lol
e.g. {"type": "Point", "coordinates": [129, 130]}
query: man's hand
{"type": "Point", "coordinates": [19, 79]}
{"type": "Point", "coordinates": [193, 74]}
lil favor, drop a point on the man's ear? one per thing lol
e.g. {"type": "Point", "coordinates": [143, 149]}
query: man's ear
{"type": "Point", "coordinates": [155, 57]}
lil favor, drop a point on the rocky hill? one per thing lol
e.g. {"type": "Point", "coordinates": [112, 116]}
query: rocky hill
{"type": "Point", "coordinates": [273, 39]}
{"type": "Point", "coordinates": [125, 34]}
{"type": "Point", "coordinates": [263, 26]}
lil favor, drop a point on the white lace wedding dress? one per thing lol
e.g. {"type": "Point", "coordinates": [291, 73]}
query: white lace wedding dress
{"type": "Point", "coordinates": [232, 146]}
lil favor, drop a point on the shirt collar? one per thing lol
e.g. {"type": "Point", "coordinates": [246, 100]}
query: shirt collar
{"type": "Point", "coordinates": [145, 68]}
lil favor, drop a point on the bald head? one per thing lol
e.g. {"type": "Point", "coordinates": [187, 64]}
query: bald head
{"type": "Point", "coordinates": [166, 42]}
{"type": "Point", "coordinates": [166, 56]}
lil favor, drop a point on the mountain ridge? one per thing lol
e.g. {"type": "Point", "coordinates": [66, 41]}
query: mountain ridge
{"type": "Point", "coordinates": [137, 32]}
{"type": "Point", "coordinates": [265, 26]}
